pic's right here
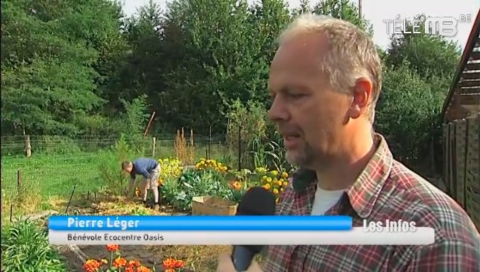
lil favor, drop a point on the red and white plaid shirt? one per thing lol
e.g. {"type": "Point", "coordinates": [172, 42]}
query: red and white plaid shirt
{"type": "Point", "coordinates": [386, 189]}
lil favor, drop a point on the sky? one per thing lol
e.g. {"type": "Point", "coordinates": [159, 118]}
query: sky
{"type": "Point", "coordinates": [378, 11]}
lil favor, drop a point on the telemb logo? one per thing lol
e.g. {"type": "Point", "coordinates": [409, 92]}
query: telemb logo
{"type": "Point", "coordinates": [446, 26]}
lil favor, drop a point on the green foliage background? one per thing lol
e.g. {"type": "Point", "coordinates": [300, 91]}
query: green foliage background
{"type": "Point", "coordinates": [84, 68]}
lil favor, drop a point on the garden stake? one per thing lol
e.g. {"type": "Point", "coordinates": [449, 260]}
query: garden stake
{"type": "Point", "coordinates": [11, 213]}
{"type": "Point", "coordinates": [149, 124]}
{"type": "Point", "coordinates": [239, 148]}
{"type": "Point", "coordinates": [70, 200]}
{"type": "Point", "coordinates": [88, 195]}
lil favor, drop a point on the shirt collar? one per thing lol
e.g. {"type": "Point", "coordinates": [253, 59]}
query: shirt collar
{"type": "Point", "coordinates": [366, 189]}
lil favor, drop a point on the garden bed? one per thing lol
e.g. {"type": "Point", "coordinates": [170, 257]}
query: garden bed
{"type": "Point", "coordinates": [179, 186]}
{"type": "Point", "coordinates": [150, 256]}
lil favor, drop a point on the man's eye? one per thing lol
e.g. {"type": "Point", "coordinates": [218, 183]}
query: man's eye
{"type": "Point", "coordinates": [296, 95]}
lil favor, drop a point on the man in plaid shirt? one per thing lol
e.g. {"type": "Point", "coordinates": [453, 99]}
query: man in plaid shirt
{"type": "Point", "coordinates": [325, 80]}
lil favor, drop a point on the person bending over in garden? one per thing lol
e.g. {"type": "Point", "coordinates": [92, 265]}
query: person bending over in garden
{"type": "Point", "coordinates": [150, 170]}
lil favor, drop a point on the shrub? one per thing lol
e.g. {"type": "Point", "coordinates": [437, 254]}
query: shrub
{"type": "Point", "coordinates": [25, 247]}
{"type": "Point", "coordinates": [109, 166]}
{"type": "Point", "coordinates": [246, 128]}
{"type": "Point", "coordinates": [179, 192]}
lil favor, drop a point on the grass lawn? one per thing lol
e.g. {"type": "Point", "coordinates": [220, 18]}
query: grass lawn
{"type": "Point", "coordinates": [53, 175]}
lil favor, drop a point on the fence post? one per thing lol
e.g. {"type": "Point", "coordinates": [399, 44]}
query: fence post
{"type": "Point", "coordinates": [28, 146]}
{"type": "Point", "coordinates": [19, 181]}
{"type": "Point", "coordinates": [154, 144]}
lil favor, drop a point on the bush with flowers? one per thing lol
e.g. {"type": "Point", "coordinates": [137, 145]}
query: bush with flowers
{"type": "Point", "coordinates": [274, 180]}
{"type": "Point", "coordinates": [171, 168]}
{"type": "Point", "coordinates": [119, 264]}
{"type": "Point", "coordinates": [204, 164]}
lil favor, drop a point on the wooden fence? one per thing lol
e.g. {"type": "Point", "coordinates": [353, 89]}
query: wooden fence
{"type": "Point", "coordinates": [461, 139]}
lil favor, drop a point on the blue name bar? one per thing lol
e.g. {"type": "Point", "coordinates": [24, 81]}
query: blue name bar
{"type": "Point", "coordinates": [199, 223]}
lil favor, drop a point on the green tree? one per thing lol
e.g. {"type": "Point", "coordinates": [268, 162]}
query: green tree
{"type": "Point", "coordinates": [47, 77]}
{"type": "Point", "coordinates": [430, 56]}
{"type": "Point", "coordinates": [59, 55]}
{"type": "Point", "coordinates": [408, 115]}
{"type": "Point", "coordinates": [342, 9]}
{"type": "Point", "coordinates": [222, 60]}
{"type": "Point", "coordinates": [142, 72]}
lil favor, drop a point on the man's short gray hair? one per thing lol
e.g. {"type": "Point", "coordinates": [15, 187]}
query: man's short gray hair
{"type": "Point", "coordinates": [352, 53]}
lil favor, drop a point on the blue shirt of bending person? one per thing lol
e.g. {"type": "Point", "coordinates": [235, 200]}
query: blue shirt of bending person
{"type": "Point", "coordinates": [143, 166]}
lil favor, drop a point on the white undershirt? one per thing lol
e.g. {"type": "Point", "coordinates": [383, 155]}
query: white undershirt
{"type": "Point", "coordinates": [324, 200]}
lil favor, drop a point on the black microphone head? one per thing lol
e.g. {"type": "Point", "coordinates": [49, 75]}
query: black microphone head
{"type": "Point", "coordinates": [257, 201]}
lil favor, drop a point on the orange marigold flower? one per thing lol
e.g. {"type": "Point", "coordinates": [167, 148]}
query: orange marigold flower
{"type": "Point", "coordinates": [145, 269]}
{"type": "Point", "coordinates": [129, 269]}
{"type": "Point", "coordinates": [112, 247]}
{"type": "Point", "coordinates": [179, 264]}
{"type": "Point", "coordinates": [170, 270]}
{"type": "Point", "coordinates": [169, 263]}
{"type": "Point", "coordinates": [133, 263]}
{"type": "Point", "coordinates": [91, 265]}
{"type": "Point", "coordinates": [119, 262]}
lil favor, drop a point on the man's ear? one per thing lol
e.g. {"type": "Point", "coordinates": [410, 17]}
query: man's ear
{"type": "Point", "coordinates": [361, 97]}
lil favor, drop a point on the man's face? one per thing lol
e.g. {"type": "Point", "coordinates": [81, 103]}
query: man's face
{"type": "Point", "coordinates": [310, 116]}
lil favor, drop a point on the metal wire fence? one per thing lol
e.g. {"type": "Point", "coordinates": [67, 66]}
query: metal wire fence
{"type": "Point", "coordinates": [53, 163]}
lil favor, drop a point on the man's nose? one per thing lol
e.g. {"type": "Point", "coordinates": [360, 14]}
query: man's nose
{"type": "Point", "coordinates": [278, 111]}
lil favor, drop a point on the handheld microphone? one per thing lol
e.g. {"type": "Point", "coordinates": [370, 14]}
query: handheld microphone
{"type": "Point", "coordinates": [256, 201]}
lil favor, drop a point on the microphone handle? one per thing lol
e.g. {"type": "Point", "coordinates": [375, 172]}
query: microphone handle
{"type": "Point", "coordinates": [242, 258]}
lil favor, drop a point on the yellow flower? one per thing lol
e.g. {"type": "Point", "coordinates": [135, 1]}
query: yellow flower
{"type": "Point", "coordinates": [275, 191]}
{"type": "Point", "coordinates": [285, 184]}
{"type": "Point", "coordinates": [261, 170]}
{"type": "Point", "coordinates": [284, 175]}
{"type": "Point", "coordinates": [274, 172]}
{"type": "Point", "coordinates": [269, 179]}
{"type": "Point", "coordinates": [281, 190]}
{"type": "Point", "coordinates": [266, 186]}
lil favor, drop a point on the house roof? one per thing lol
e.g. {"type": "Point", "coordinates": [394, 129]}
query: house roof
{"type": "Point", "coordinates": [465, 88]}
